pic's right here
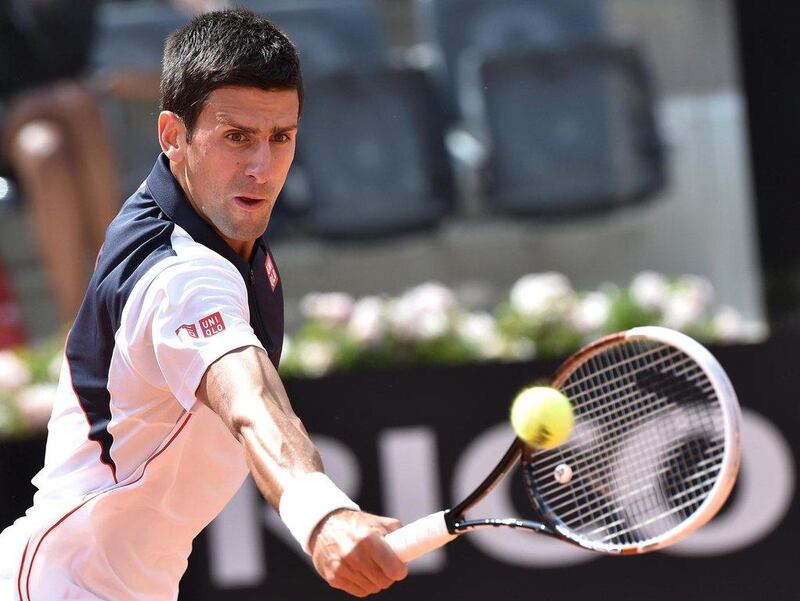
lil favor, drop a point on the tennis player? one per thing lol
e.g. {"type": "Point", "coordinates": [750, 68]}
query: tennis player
{"type": "Point", "coordinates": [169, 394]}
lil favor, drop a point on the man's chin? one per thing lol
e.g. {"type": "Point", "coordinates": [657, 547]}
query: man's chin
{"type": "Point", "coordinates": [247, 234]}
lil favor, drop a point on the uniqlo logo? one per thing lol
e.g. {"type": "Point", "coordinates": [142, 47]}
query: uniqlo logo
{"type": "Point", "coordinates": [212, 324]}
{"type": "Point", "coordinates": [272, 273]}
{"type": "Point", "coordinates": [189, 328]}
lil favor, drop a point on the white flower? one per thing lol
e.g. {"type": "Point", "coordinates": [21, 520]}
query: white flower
{"type": "Point", "coordinates": [35, 404]}
{"type": "Point", "coordinates": [591, 312]}
{"type": "Point", "coordinates": [316, 358]}
{"type": "Point", "coordinates": [541, 295]}
{"type": "Point", "coordinates": [331, 308]}
{"type": "Point", "coordinates": [649, 290]}
{"type": "Point", "coordinates": [479, 330]}
{"type": "Point", "coordinates": [288, 345]}
{"type": "Point", "coordinates": [54, 368]}
{"type": "Point", "coordinates": [476, 328]}
{"type": "Point", "coordinates": [430, 326]}
{"type": "Point", "coordinates": [699, 289]}
{"type": "Point", "coordinates": [755, 331]}
{"type": "Point", "coordinates": [730, 326]}
{"type": "Point", "coordinates": [367, 323]}
{"type": "Point", "coordinates": [423, 313]}
{"type": "Point", "coordinates": [13, 372]}
{"type": "Point", "coordinates": [688, 301]}
{"type": "Point", "coordinates": [430, 296]}
{"type": "Point", "coordinates": [680, 312]}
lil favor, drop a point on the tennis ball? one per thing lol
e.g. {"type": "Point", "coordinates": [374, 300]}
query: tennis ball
{"type": "Point", "coordinates": [542, 417]}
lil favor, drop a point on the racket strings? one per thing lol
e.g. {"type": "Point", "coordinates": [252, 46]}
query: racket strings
{"type": "Point", "coordinates": [560, 492]}
{"type": "Point", "coordinates": [596, 373]}
{"type": "Point", "coordinates": [592, 466]}
{"type": "Point", "coordinates": [602, 511]}
{"type": "Point", "coordinates": [627, 422]}
{"type": "Point", "coordinates": [647, 447]}
{"type": "Point", "coordinates": [644, 504]}
{"type": "Point", "coordinates": [614, 388]}
{"type": "Point", "coordinates": [634, 418]}
{"type": "Point", "coordinates": [614, 507]}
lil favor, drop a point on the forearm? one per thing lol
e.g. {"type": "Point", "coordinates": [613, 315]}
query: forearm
{"type": "Point", "coordinates": [347, 547]}
{"type": "Point", "coordinates": [278, 450]}
{"type": "Point", "coordinates": [244, 389]}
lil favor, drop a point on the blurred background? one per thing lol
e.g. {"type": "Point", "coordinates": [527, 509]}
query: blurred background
{"type": "Point", "coordinates": [472, 142]}
{"type": "Point", "coordinates": [623, 161]}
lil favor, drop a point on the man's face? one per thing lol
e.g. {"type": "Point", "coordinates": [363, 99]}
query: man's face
{"type": "Point", "coordinates": [235, 165]}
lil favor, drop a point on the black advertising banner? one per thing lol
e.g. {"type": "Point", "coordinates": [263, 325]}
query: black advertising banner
{"type": "Point", "coordinates": [406, 443]}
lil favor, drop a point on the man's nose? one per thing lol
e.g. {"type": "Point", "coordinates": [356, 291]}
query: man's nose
{"type": "Point", "coordinates": [259, 164]}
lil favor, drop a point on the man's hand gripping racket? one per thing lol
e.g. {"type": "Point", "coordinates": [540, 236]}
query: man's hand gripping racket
{"type": "Point", "coordinates": [653, 454]}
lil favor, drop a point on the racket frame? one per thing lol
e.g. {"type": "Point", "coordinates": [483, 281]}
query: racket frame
{"type": "Point", "coordinates": [455, 523]}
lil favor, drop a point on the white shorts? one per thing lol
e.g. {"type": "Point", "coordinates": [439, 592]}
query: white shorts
{"type": "Point", "coordinates": [65, 558]}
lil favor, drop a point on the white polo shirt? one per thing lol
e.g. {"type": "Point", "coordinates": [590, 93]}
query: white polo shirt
{"type": "Point", "coordinates": [135, 466]}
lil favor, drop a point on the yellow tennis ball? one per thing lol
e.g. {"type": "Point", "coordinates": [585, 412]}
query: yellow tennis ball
{"type": "Point", "coordinates": [542, 417]}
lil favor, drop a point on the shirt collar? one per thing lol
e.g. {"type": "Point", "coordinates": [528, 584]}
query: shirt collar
{"type": "Point", "coordinates": [169, 196]}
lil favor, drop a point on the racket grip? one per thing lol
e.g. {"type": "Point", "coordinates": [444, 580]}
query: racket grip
{"type": "Point", "coordinates": [419, 537]}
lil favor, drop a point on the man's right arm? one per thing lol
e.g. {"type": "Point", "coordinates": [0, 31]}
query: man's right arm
{"type": "Point", "coordinates": [346, 545]}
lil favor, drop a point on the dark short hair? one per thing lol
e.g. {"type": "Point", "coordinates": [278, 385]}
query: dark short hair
{"type": "Point", "coordinates": [225, 48]}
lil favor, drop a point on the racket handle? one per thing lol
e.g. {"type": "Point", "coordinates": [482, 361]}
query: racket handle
{"type": "Point", "coordinates": [419, 537]}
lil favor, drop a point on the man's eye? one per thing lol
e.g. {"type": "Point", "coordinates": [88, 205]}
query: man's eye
{"type": "Point", "coordinates": [236, 137]}
{"type": "Point", "coordinates": [281, 138]}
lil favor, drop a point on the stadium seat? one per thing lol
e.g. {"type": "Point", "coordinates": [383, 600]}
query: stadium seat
{"type": "Point", "coordinates": [372, 147]}
{"type": "Point", "coordinates": [569, 130]}
{"type": "Point", "coordinates": [451, 27]}
{"type": "Point", "coordinates": [130, 35]}
{"type": "Point", "coordinates": [331, 34]}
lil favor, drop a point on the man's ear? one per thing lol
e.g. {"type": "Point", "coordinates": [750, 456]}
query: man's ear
{"type": "Point", "coordinates": [172, 136]}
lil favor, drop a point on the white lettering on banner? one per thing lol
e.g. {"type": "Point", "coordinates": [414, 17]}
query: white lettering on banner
{"type": "Point", "coordinates": [514, 547]}
{"type": "Point", "coordinates": [409, 466]}
{"type": "Point", "coordinates": [410, 477]}
{"type": "Point", "coordinates": [763, 497]}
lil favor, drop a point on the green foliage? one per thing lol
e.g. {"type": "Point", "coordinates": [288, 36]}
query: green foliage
{"type": "Point", "coordinates": [542, 316]}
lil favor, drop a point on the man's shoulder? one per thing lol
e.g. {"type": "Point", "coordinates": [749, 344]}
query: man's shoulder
{"type": "Point", "coordinates": [195, 264]}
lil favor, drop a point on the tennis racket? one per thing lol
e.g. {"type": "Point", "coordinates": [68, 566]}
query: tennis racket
{"type": "Point", "coordinates": [653, 454]}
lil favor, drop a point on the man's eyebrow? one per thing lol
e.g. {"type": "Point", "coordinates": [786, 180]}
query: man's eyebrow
{"type": "Point", "coordinates": [226, 120]}
{"type": "Point", "coordinates": [283, 128]}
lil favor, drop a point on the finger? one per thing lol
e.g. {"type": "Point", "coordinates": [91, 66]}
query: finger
{"type": "Point", "coordinates": [384, 525]}
{"type": "Point", "coordinates": [391, 524]}
{"type": "Point", "coordinates": [390, 574]}
{"type": "Point", "coordinates": [362, 561]}
{"type": "Point", "coordinates": [348, 585]}
{"type": "Point", "coordinates": [387, 561]}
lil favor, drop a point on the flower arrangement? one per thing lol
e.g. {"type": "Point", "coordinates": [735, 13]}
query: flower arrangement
{"type": "Point", "coordinates": [541, 316]}
{"type": "Point", "coordinates": [28, 381]}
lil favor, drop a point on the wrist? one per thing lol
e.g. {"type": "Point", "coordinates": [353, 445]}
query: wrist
{"type": "Point", "coordinates": [307, 501]}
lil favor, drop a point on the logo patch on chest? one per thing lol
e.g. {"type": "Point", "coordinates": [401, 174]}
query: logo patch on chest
{"type": "Point", "coordinates": [272, 273]}
{"type": "Point", "coordinates": [187, 329]}
{"type": "Point", "coordinates": [212, 324]}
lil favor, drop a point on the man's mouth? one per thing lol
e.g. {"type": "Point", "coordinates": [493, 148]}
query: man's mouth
{"type": "Point", "coordinates": [249, 202]}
